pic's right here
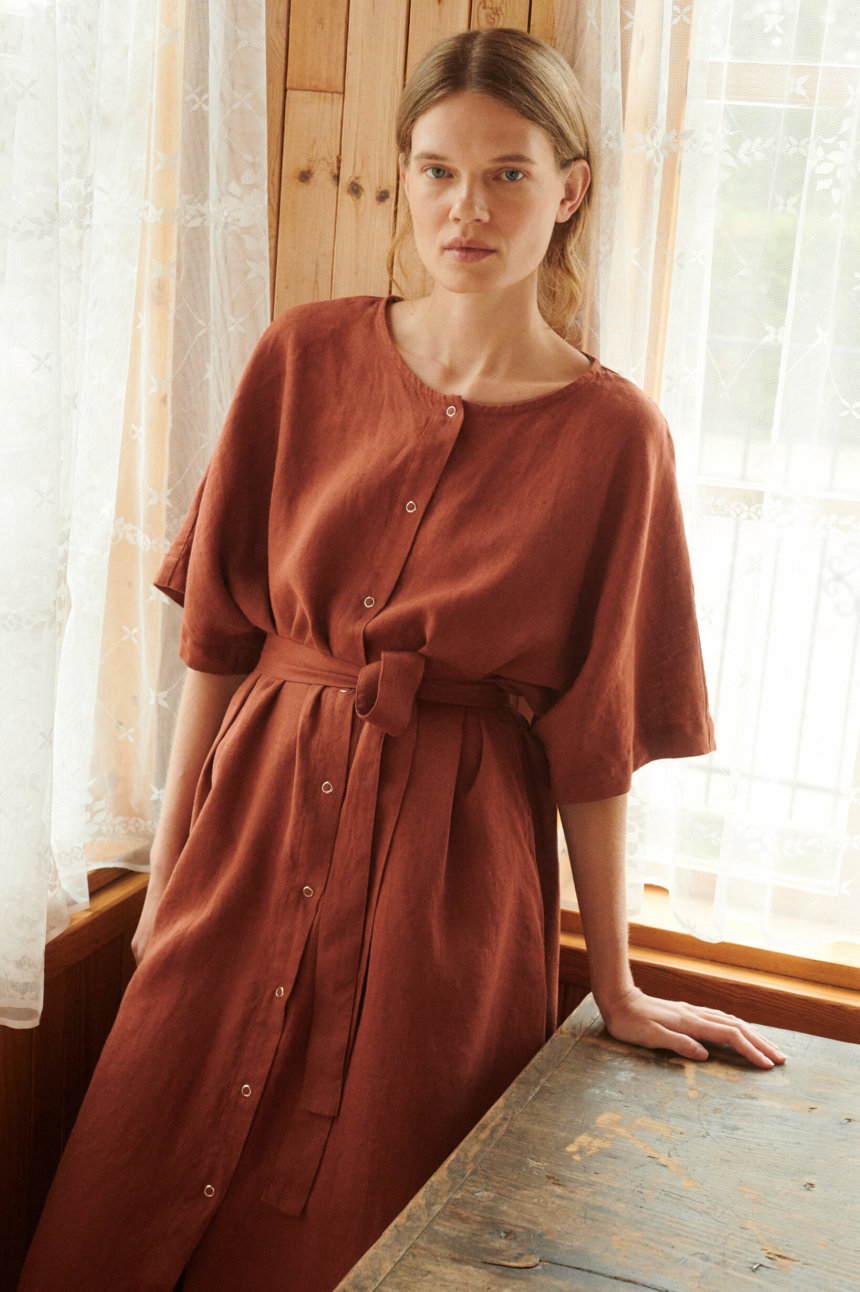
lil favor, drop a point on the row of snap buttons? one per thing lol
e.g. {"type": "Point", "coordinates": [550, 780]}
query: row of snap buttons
{"type": "Point", "coordinates": [410, 507]}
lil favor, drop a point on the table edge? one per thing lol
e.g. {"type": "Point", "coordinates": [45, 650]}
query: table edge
{"type": "Point", "coordinates": [379, 1261]}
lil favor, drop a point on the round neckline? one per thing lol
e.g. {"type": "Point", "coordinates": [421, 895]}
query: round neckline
{"type": "Point", "coordinates": [515, 405]}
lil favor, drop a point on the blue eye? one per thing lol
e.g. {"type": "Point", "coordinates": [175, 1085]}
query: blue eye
{"type": "Point", "coordinates": [428, 169]}
{"type": "Point", "coordinates": [441, 168]}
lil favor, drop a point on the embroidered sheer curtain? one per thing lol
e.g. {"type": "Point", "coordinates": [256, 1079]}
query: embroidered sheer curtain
{"type": "Point", "coordinates": [135, 282]}
{"type": "Point", "coordinates": [728, 287]}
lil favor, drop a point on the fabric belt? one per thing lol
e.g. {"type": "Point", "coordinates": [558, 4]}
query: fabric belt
{"type": "Point", "coordinates": [385, 693]}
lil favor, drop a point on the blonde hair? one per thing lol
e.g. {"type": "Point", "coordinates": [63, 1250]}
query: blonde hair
{"type": "Point", "coordinates": [528, 75]}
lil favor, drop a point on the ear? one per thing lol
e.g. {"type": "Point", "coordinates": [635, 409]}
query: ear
{"type": "Point", "coordinates": [577, 180]}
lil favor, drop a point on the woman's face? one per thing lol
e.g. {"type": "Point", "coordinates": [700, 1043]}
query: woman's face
{"type": "Point", "coordinates": [480, 173]}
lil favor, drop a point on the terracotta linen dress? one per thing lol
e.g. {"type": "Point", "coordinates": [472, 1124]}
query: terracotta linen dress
{"type": "Point", "coordinates": [357, 950]}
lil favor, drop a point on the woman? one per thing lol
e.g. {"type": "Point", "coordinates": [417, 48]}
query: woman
{"type": "Point", "coordinates": [415, 510]}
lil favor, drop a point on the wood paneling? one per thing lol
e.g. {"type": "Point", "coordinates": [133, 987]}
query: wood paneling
{"type": "Point", "coordinates": [309, 195]}
{"type": "Point", "coordinates": [45, 1070]}
{"type": "Point", "coordinates": [375, 61]}
{"type": "Point", "coordinates": [317, 45]}
{"type": "Point", "coordinates": [277, 26]}
{"type": "Point", "coordinates": [431, 21]}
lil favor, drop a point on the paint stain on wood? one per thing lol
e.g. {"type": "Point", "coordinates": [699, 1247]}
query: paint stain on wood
{"type": "Point", "coordinates": [613, 1126]}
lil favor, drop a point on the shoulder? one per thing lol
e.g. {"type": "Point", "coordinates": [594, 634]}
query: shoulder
{"type": "Point", "coordinates": [636, 427]}
{"type": "Point", "coordinates": [308, 325]}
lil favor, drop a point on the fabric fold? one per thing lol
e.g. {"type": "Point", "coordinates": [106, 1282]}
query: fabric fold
{"type": "Point", "coordinates": [385, 693]}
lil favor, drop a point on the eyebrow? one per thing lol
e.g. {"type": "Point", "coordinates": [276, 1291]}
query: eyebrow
{"type": "Point", "coordinates": [511, 157]}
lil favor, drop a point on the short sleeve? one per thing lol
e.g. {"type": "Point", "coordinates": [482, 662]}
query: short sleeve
{"type": "Point", "coordinates": [638, 690]}
{"type": "Point", "coordinates": [216, 568]}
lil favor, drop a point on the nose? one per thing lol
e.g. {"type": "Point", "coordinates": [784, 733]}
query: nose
{"type": "Point", "coordinates": [469, 203]}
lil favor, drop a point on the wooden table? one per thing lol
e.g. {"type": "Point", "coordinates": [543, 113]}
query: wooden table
{"type": "Point", "coordinates": [607, 1167]}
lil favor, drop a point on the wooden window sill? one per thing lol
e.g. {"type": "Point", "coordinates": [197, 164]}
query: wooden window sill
{"type": "Point", "coordinates": [114, 909]}
{"type": "Point", "coordinates": [802, 993]}
{"type": "Point", "coordinates": [837, 965]}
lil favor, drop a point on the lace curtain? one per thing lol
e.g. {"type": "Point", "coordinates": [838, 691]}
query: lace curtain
{"type": "Point", "coordinates": [728, 287]}
{"type": "Point", "coordinates": [135, 283]}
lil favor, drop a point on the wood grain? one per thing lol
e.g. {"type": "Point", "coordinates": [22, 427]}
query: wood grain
{"type": "Point", "coordinates": [632, 1167]}
{"type": "Point", "coordinates": [500, 13]}
{"type": "Point", "coordinates": [309, 195]}
{"type": "Point", "coordinates": [376, 54]}
{"type": "Point", "coordinates": [277, 25]}
{"type": "Point", "coordinates": [111, 912]}
{"type": "Point", "coordinates": [45, 1071]}
{"type": "Point", "coordinates": [317, 45]}
{"type": "Point", "coordinates": [431, 21]}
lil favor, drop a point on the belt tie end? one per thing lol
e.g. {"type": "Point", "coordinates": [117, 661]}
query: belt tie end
{"type": "Point", "coordinates": [385, 690]}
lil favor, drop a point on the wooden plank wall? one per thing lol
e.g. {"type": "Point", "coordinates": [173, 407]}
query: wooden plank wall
{"type": "Point", "coordinates": [334, 207]}
{"type": "Point", "coordinates": [44, 1072]}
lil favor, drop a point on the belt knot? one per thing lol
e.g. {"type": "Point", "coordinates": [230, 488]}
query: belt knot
{"type": "Point", "coordinates": [386, 688]}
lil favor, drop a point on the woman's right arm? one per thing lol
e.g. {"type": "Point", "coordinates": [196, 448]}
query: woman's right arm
{"type": "Point", "coordinates": [204, 701]}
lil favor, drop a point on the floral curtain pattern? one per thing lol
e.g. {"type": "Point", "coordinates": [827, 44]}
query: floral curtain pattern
{"type": "Point", "coordinates": [135, 283]}
{"type": "Point", "coordinates": [728, 287]}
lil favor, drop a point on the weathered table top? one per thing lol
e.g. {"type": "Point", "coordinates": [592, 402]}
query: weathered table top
{"type": "Point", "coordinates": [606, 1166]}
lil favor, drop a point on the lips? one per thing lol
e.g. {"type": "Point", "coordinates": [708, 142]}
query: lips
{"type": "Point", "coordinates": [460, 244]}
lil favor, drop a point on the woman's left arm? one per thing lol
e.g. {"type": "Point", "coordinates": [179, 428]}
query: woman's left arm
{"type": "Point", "coordinates": [596, 841]}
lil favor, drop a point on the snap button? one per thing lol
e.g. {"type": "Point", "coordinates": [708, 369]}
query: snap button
{"type": "Point", "coordinates": [246, 1090]}
{"type": "Point", "coordinates": [451, 411]}
{"type": "Point", "coordinates": [327, 787]}
{"type": "Point", "coordinates": [369, 601]}
{"type": "Point", "coordinates": [308, 892]}
{"type": "Point", "coordinates": [209, 1191]}
{"type": "Point", "coordinates": [410, 506]}
{"type": "Point", "coordinates": [279, 991]}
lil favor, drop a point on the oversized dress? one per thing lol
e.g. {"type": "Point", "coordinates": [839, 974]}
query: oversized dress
{"type": "Point", "coordinates": [357, 950]}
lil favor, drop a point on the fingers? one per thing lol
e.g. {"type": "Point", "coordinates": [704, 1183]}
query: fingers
{"type": "Point", "coordinates": [680, 1042]}
{"type": "Point", "coordinates": [747, 1030]}
{"type": "Point", "coordinates": [756, 1048]}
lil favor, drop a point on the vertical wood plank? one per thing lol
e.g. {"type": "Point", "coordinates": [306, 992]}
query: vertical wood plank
{"type": "Point", "coordinates": [93, 993]}
{"type": "Point", "coordinates": [16, 1065]}
{"type": "Point", "coordinates": [46, 1133]}
{"type": "Point", "coordinates": [542, 20]}
{"type": "Point", "coordinates": [375, 61]}
{"type": "Point", "coordinates": [309, 197]}
{"type": "Point", "coordinates": [570, 995]}
{"type": "Point", "coordinates": [317, 45]}
{"type": "Point", "coordinates": [500, 13]}
{"type": "Point", "coordinates": [431, 21]}
{"type": "Point", "coordinates": [277, 24]}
